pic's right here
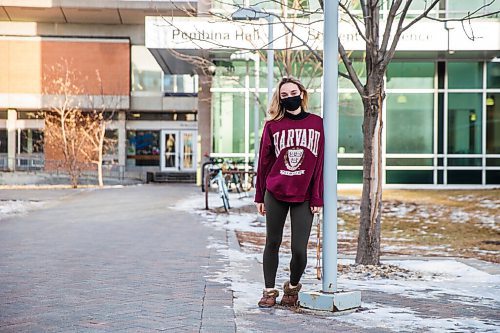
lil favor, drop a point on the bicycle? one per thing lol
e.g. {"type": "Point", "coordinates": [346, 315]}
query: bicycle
{"type": "Point", "coordinates": [235, 176]}
{"type": "Point", "coordinates": [218, 179]}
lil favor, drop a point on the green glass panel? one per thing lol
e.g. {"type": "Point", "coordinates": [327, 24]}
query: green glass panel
{"type": "Point", "coordinates": [464, 123]}
{"type": "Point", "coordinates": [464, 162]}
{"type": "Point", "coordinates": [314, 103]}
{"type": "Point", "coordinates": [261, 106]}
{"type": "Point", "coordinates": [493, 177]}
{"type": "Point", "coordinates": [232, 74]}
{"type": "Point", "coordinates": [465, 75]}
{"type": "Point", "coordinates": [493, 162]}
{"type": "Point", "coordinates": [410, 123]}
{"type": "Point", "coordinates": [440, 179]}
{"type": "Point", "coordinates": [401, 75]}
{"type": "Point", "coordinates": [493, 123]}
{"type": "Point", "coordinates": [350, 121]}
{"type": "Point", "coordinates": [410, 162]}
{"type": "Point", "coordinates": [351, 161]}
{"type": "Point", "coordinates": [228, 127]}
{"type": "Point", "coordinates": [409, 176]}
{"type": "Point", "coordinates": [464, 176]}
{"type": "Point", "coordinates": [441, 122]}
{"type": "Point", "coordinates": [359, 68]}
{"type": "Point", "coordinates": [461, 8]}
{"type": "Point", "coordinates": [493, 75]}
{"type": "Point", "coordinates": [350, 176]}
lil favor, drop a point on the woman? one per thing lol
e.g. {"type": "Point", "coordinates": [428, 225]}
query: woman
{"type": "Point", "coordinates": [289, 178]}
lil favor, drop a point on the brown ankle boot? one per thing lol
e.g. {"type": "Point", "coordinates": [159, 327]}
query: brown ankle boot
{"type": "Point", "coordinates": [290, 295]}
{"type": "Point", "coordinates": [268, 298]}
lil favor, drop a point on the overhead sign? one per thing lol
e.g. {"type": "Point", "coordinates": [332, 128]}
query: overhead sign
{"type": "Point", "coordinates": [217, 33]}
{"type": "Point", "coordinates": [210, 33]}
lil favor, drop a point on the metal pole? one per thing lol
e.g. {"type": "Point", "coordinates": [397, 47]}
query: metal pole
{"type": "Point", "coordinates": [330, 121]}
{"type": "Point", "coordinates": [256, 119]}
{"type": "Point", "coordinates": [270, 60]}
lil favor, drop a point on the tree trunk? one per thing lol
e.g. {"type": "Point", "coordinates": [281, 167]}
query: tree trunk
{"type": "Point", "coordinates": [102, 133]}
{"type": "Point", "coordinates": [368, 252]}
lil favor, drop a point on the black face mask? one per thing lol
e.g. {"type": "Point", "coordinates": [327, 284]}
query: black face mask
{"type": "Point", "coordinates": [291, 103]}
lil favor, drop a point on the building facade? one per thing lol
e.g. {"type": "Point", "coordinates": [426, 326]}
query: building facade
{"type": "Point", "coordinates": [180, 103]}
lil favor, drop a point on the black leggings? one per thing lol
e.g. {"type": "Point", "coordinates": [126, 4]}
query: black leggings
{"type": "Point", "coordinates": [301, 216]}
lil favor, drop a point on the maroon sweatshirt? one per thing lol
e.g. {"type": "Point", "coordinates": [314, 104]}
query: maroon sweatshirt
{"type": "Point", "coordinates": [291, 159]}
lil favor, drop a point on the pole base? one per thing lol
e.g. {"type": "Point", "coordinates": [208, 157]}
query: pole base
{"type": "Point", "coordinates": [334, 302]}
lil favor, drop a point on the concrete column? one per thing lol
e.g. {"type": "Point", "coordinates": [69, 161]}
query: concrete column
{"type": "Point", "coordinates": [11, 138]}
{"type": "Point", "coordinates": [122, 139]}
{"type": "Point", "coordinates": [204, 121]}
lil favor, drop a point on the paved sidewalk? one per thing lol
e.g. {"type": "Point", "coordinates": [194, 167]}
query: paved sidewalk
{"type": "Point", "coordinates": [131, 260]}
{"type": "Point", "coordinates": [112, 260]}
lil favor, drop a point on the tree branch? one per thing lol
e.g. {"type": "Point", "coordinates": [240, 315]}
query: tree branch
{"type": "Point", "coordinates": [387, 56]}
{"type": "Point", "coordinates": [352, 73]}
{"type": "Point", "coordinates": [388, 25]}
{"type": "Point", "coordinates": [353, 19]}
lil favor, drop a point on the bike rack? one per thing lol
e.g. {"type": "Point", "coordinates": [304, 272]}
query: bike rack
{"type": "Point", "coordinates": [207, 179]}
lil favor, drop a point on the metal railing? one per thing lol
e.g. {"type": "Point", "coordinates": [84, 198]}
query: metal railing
{"type": "Point", "coordinates": [39, 165]}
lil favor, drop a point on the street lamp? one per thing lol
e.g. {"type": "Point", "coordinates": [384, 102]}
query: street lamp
{"type": "Point", "coordinates": [252, 14]}
{"type": "Point", "coordinates": [330, 298]}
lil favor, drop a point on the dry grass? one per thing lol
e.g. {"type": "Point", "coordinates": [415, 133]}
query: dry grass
{"type": "Point", "coordinates": [462, 223]}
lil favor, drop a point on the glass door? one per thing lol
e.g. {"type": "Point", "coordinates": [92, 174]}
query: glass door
{"type": "Point", "coordinates": [188, 150]}
{"type": "Point", "coordinates": [169, 146]}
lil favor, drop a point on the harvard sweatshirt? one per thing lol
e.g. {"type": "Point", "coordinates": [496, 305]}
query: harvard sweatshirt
{"type": "Point", "coordinates": [291, 159]}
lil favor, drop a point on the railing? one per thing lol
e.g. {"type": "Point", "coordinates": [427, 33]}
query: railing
{"type": "Point", "coordinates": [39, 165]}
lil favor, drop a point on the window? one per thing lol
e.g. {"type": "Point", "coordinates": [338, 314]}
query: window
{"type": "Point", "coordinates": [460, 9]}
{"type": "Point", "coordinates": [179, 116]}
{"type": "Point", "coordinates": [29, 115]}
{"type": "Point", "coordinates": [359, 68]}
{"type": "Point", "coordinates": [401, 75]}
{"type": "Point", "coordinates": [465, 75]}
{"type": "Point", "coordinates": [228, 127]}
{"type": "Point", "coordinates": [146, 73]}
{"type": "Point", "coordinates": [143, 148]}
{"type": "Point", "coordinates": [464, 123]}
{"type": "Point", "coordinates": [31, 141]}
{"type": "Point", "coordinates": [3, 114]}
{"type": "Point", "coordinates": [410, 123]}
{"type": "Point", "coordinates": [493, 123]}
{"type": "Point", "coordinates": [350, 119]}
{"type": "Point", "coordinates": [180, 83]}
{"type": "Point", "coordinates": [111, 142]}
{"type": "Point", "coordinates": [493, 75]}
{"type": "Point", "coordinates": [3, 141]}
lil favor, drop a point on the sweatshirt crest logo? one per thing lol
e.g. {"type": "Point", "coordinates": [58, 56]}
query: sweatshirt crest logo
{"type": "Point", "coordinates": [294, 158]}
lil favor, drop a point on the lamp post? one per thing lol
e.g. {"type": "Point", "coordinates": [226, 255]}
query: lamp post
{"type": "Point", "coordinates": [253, 14]}
{"type": "Point", "coordinates": [329, 298]}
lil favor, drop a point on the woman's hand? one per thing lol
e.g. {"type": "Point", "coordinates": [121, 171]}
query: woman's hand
{"type": "Point", "coordinates": [261, 209]}
{"type": "Point", "coordinates": [315, 210]}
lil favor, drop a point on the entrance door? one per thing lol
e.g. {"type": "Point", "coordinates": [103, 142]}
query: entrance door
{"type": "Point", "coordinates": [178, 150]}
{"type": "Point", "coordinates": [169, 146]}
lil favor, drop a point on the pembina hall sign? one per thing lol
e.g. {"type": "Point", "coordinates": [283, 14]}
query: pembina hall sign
{"type": "Point", "coordinates": [212, 33]}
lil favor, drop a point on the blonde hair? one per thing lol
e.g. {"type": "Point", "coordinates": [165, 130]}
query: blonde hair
{"type": "Point", "coordinates": [276, 111]}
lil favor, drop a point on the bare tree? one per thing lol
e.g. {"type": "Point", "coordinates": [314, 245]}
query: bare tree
{"type": "Point", "coordinates": [96, 120]}
{"type": "Point", "coordinates": [74, 125]}
{"type": "Point", "coordinates": [63, 133]}
{"type": "Point", "coordinates": [378, 54]}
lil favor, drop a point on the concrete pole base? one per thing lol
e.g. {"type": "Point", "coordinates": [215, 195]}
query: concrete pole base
{"type": "Point", "coordinates": [334, 302]}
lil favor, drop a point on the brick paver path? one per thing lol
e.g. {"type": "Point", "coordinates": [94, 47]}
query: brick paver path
{"type": "Point", "coordinates": [111, 260]}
